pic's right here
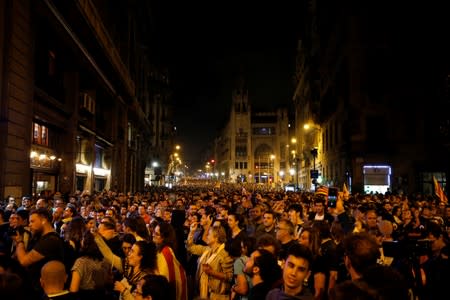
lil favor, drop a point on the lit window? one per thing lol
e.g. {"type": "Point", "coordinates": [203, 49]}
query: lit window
{"type": "Point", "coordinates": [40, 134]}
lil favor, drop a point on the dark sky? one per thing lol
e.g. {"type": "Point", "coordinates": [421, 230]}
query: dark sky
{"type": "Point", "coordinates": [206, 46]}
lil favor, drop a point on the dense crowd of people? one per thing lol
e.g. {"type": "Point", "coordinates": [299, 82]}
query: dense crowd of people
{"type": "Point", "coordinates": [229, 242]}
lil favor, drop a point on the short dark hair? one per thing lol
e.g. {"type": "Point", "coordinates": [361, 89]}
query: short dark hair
{"type": "Point", "coordinates": [108, 223]}
{"type": "Point", "coordinates": [301, 251]}
{"type": "Point", "coordinates": [24, 214]}
{"type": "Point", "coordinates": [128, 238]}
{"type": "Point", "coordinates": [157, 287]}
{"type": "Point", "coordinates": [43, 213]}
{"type": "Point", "coordinates": [270, 212]}
{"type": "Point", "coordinates": [269, 270]}
{"type": "Point", "coordinates": [362, 249]}
{"type": "Point", "coordinates": [266, 240]}
{"type": "Point", "coordinates": [319, 199]}
{"type": "Point", "coordinates": [296, 207]}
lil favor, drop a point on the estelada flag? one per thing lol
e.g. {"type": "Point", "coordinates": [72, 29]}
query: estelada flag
{"type": "Point", "coordinates": [322, 190]}
{"type": "Point", "coordinates": [439, 192]}
{"type": "Point", "coordinates": [345, 192]}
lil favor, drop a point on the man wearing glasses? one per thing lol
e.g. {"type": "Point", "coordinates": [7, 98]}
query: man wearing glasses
{"type": "Point", "coordinates": [285, 235]}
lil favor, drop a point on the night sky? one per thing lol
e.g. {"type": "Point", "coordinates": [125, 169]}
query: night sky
{"type": "Point", "coordinates": [207, 45]}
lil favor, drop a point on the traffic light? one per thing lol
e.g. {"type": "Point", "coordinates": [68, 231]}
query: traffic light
{"type": "Point", "coordinates": [314, 181]}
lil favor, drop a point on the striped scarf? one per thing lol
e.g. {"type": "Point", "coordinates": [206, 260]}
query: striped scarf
{"type": "Point", "coordinates": [206, 258]}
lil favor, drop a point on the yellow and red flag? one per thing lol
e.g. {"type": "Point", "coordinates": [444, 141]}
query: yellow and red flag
{"type": "Point", "coordinates": [345, 192]}
{"type": "Point", "coordinates": [322, 190]}
{"type": "Point", "coordinates": [439, 192]}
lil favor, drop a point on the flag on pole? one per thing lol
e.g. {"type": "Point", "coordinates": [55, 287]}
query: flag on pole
{"type": "Point", "coordinates": [439, 192]}
{"type": "Point", "coordinates": [345, 192]}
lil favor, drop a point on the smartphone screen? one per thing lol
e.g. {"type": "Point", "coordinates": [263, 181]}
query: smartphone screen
{"type": "Point", "coordinates": [332, 197]}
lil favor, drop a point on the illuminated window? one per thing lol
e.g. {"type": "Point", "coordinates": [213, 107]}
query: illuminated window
{"type": "Point", "coordinates": [40, 134]}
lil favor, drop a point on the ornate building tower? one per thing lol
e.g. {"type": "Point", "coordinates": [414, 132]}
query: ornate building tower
{"type": "Point", "coordinates": [252, 145]}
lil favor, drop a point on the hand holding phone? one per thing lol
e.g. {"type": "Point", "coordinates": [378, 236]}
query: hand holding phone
{"type": "Point", "coordinates": [332, 197]}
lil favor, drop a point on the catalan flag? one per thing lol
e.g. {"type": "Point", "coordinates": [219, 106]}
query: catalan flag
{"type": "Point", "coordinates": [439, 192]}
{"type": "Point", "coordinates": [322, 190]}
{"type": "Point", "coordinates": [345, 192]}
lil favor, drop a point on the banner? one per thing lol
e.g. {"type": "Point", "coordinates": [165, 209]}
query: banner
{"type": "Point", "coordinates": [439, 192]}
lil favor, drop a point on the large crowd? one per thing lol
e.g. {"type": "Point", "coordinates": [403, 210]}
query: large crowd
{"type": "Point", "coordinates": [231, 242]}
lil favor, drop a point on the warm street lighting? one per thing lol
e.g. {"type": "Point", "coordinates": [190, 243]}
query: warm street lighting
{"type": "Point", "coordinates": [177, 147]}
{"type": "Point", "coordinates": [308, 126]}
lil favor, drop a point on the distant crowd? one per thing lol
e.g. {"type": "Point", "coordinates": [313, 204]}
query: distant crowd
{"type": "Point", "coordinates": [227, 241]}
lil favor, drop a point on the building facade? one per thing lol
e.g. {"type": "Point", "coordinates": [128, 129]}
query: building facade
{"type": "Point", "coordinates": [369, 102]}
{"type": "Point", "coordinates": [77, 99]}
{"type": "Point", "coordinates": [252, 146]}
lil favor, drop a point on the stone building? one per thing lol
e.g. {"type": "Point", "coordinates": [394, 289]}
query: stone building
{"type": "Point", "coordinates": [78, 90]}
{"type": "Point", "coordinates": [372, 97]}
{"type": "Point", "coordinates": [252, 145]}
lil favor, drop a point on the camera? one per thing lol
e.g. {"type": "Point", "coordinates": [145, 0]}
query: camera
{"type": "Point", "coordinates": [13, 231]}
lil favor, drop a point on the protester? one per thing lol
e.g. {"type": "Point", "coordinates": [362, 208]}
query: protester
{"type": "Point", "coordinates": [53, 279]}
{"type": "Point", "coordinates": [49, 246]}
{"type": "Point", "coordinates": [296, 270]}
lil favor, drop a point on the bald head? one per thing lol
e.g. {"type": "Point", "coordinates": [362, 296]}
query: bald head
{"type": "Point", "coordinates": [53, 276]}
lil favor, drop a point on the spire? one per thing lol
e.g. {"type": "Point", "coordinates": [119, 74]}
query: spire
{"type": "Point", "coordinates": [240, 93]}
